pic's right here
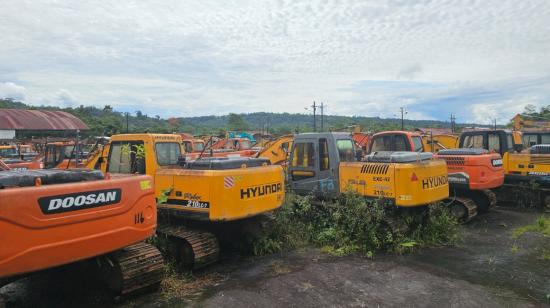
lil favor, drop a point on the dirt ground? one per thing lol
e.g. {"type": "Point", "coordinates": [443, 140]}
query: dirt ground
{"type": "Point", "coordinates": [488, 269]}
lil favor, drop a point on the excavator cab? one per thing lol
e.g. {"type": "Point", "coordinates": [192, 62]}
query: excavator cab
{"type": "Point", "coordinates": [326, 164]}
{"type": "Point", "coordinates": [396, 141]}
{"type": "Point", "coordinates": [499, 141]}
{"type": "Point", "coordinates": [314, 165]}
{"type": "Point", "coordinates": [64, 155]}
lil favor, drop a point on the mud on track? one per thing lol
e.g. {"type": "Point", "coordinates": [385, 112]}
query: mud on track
{"type": "Point", "coordinates": [483, 271]}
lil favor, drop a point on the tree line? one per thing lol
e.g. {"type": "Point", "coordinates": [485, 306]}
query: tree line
{"type": "Point", "coordinates": [107, 121]}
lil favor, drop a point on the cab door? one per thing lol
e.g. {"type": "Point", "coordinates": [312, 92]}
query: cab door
{"type": "Point", "coordinates": [313, 167]}
{"type": "Point", "coordinates": [303, 173]}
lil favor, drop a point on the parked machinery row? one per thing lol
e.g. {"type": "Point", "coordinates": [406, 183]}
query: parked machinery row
{"type": "Point", "coordinates": [71, 214]}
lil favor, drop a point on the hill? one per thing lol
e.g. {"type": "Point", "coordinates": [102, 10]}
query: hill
{"type": "Point", "coordinates": [107, 121]}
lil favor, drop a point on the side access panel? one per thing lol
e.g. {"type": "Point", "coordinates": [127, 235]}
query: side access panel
{"type": "Point", "coordinates": [222, 195]}
{"type": "Point", "coordinates": [368, 179]}
{"type": "Point", "coordinates": [52, 225]}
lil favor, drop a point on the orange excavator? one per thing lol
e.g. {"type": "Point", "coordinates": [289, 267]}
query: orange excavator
{"type": "Point", "coordinates": [55, 217]}
{"type": "Point", "coordinates": [472, 172]}
{"type": "Point", "coordinates": [20, 157]}
{"type": "Point", "coordinates": [228, 147]}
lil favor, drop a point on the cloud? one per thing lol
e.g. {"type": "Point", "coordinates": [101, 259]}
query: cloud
{"type": "Point", "coordinates": [12, 90]}
{"type": "Point", "coordinates": [210, 57]}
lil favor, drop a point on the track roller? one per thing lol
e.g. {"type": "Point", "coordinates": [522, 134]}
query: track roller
{"type": "Point", "coordinates": [192, 248]}
{"type": "Point", "coordinates": [484, 199]}
{"type": "Point", "coordinates": [133, 268]}
{"type": "Point", "coordinates": [464, 209]}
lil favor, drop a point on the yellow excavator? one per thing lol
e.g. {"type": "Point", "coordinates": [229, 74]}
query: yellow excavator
{"type": "Point", "coordinates": [326, 164]}
{"type": "Point", "coordinates": [527, 170]}
{"type": "Point", "coordinates": [193, 196]}
{"type": "Point", "coordinates": [277, 150]}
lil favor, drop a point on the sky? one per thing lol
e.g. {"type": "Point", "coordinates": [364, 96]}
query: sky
{"type": "Point", "coordinates": [479, 59]}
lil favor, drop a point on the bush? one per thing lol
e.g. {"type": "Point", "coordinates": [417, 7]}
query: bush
{"type": "Point", "coordinates": [353, 224]}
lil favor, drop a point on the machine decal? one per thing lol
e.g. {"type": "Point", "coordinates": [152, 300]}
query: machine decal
{"type": "Point", "coordinates": [196, 204]}
{"type": "Point", "coordinates": [228, 182]}
{"type": "Point", "coordinates": [538, 173]}
{"type": "Point", "coordinates": [375, 168]}
{"type": "Point", "coordinates": [79, 201]}
{"type": "Point", "coordinates": [326, 185]}
{"type": "Point", "coordinates": [434, 182]}
{"type": "Point", "coordinates": [144, 185]}
{"type": "Point", "coordinates": [260, 190]}
{"type": "Point", "coordinates": [496, 162]}
{"type": "Point", "coordinates": [459, 178]}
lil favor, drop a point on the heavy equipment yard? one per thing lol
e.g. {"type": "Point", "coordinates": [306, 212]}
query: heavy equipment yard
{"type": "Point", "coordinates": [210, 207]}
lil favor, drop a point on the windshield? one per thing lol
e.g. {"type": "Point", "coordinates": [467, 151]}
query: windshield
{"type": "Point", "coordinates": [382, 143]}
{"type": "Point", "coordinates": [345, 150]}
{"type": "Point", "coordinates": [7, 152]}
{"type": "Point", "coordinates": [199, 146]}
{"type": "Point", "coordinates": [417, 141]}
{"type": "Point", "coordinates": [168, 153]}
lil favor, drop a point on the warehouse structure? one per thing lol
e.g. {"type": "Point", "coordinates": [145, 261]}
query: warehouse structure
{"type": "Point", "coordinates": [14, 122]}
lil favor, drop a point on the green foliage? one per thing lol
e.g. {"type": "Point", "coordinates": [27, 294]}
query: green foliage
{"type": "Point", "coordinates": [541, 226]}
{"type": "Point", "coordinates": [164, 193]}
{"type": "Point", "coordinates": [236, 122]}
{"type": "Point", "coordinates": [352, 224]}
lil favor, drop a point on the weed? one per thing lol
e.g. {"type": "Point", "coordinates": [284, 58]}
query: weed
{"type": "Point", "coordinates": [514, 249]}
{"type": "Point", "coordinates": [541, 226]}
{"type": "Point", "coordinates": [353, 224]}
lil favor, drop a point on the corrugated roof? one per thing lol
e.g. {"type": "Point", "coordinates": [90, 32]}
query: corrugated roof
{"type": "Point", "coordinates": [20, 119]}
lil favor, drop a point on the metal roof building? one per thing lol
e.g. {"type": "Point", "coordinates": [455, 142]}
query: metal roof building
{"type": "Point", "coordinates": [12, 120]}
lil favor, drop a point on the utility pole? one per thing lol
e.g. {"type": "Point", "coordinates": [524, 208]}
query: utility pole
{"type": "Point", "coordinates": [495, 119]}
{"type": "Point", "coordinates": [453, 119]}
{"type": "Point", "coordinates": [314, 106]}
{"type": "Point", "coordinates": [403, 113]}
{"type": "Point", "coordinates": [322, 117]}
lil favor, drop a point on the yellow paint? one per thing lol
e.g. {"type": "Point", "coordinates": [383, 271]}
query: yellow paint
{"type": "Point", "coordinates": [434, 143]}
{"type": "Point", "coordinates": [207, 186]}
{"type": "Point", "coordinates": [526, 164]}
{"type": "Point", "coordinates": [388, 180]}
{"type": "Point", "coordinates": [277, 150]}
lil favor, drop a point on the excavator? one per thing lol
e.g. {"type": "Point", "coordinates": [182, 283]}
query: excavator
{"type": "Point", "coordinates": [527, 171]}
{"type": "Point", "coordinates": [472, 172]}
{"type": "Point", "coordinates": [277, 150]}
{"type": "Point", "coordinates": [195, 196]}
{"type": "Point", "coordinates": [536, 130]}
{"type": "Point", "coordinates": [55, 217]}
{"type": "Point", "coordinates": [327, 164]}
{"type": "Point", "coordinates": [20, 157]}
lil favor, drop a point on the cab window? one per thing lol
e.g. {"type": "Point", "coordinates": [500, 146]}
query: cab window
{"type": "Point", "coordinates": [245, 145]}
{"type": "Point", "coordinates": [417, 142]}
{"type": "Point", "coordinates": [494, 142]}
{"type": "Point", "coordinates": [167, 153]}
{"type": "Point", "coordinates": [188, 146]}
{"type": "Point", "coordinates": [199, 146]}
{"type": "Point", "coordinates": [473, 141]}
{"type": "Point", "coordinates": [323, 154]}
{"type": "Point", "coordinates": [345, 150]}
{"type": "Point", "coordinates": [382, 143]}
{"type": "Point", "coordinates": [529, 140]}
{"type": "Point", "coordinates": [7, 152]}
{"type": "Point", "coordinates": [400, 143]}
{"type": "Point", "coordinates": [510, 141]}
{"type": "Point", "coordinates": [302, 156]}
{"type": "Point", "coordinates": [126, 157]}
